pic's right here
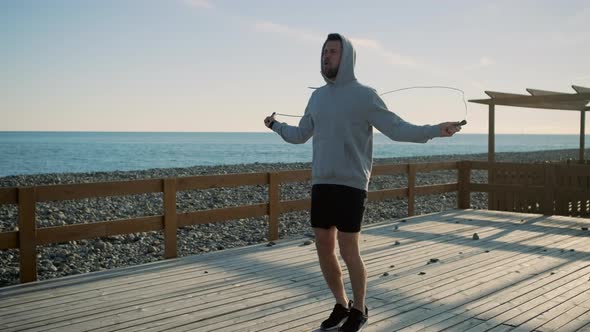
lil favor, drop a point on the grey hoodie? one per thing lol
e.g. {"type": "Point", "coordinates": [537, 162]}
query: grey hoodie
{"type": "Point", "coordinates": [340, 116]}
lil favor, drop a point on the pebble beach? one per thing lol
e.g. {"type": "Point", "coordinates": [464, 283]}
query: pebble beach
{"type": "Point", "coordinates": [83, 256]}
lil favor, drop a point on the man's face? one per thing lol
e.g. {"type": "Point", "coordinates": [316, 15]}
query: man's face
{"type": "Point", "coordinates": [331, 58]}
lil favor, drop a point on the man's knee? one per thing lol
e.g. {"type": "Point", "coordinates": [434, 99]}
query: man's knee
{"type": "Point", "coordinates": [349, 247]}
{"type": "Point", "coordinates": [349, 255]}
{"type": "Point", "coordinates": [325, 240]}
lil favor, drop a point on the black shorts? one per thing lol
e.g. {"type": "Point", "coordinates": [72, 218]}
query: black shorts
{"type": "Point", "coordinates": [337, 205]}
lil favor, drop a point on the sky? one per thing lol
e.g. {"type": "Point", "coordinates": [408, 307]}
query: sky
{"type": "Point", "coordinates": [222, 66]}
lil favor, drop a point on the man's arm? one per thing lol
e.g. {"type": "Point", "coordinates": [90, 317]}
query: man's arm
{"type": "Point", "coordinates": [395, 127]}
{"type": "Point", "coordinates": [292, 134]}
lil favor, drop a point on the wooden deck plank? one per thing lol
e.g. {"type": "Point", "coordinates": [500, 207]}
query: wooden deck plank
{"type": "Point", "coordinates": [519, 314]}
{"type": "Point", "coordinates": [457, 323]}
{"type": "Point", "coordinates": [369, 299]}
{"type": "Point", "coordinates": [558, 308]}
{"type": "Point", "coordinates": [228, 256]}
{"type": "Point", "coordinates": [471, 309]}
{"type": "Point", "coordinates": [199, 256]}
{"type": "Point", "coordinates": [494, 304]}
{"type": "Point", "coordinates": [259, 326]}
{"type": "Point", "coordinates": [390, 311]}
{"type": "Point", "coordinates": [159, 276]}
{"type": "Point", "coordinates": [545, 310]}
{"type": "Point", "coordinates": [506, 294]}
{"type": "Point", "coordinates": [459, 300]}
{"type": "Point", "coordinates": [541, 295]}
{"type": "Point", "coordinates": [276, 288]}
{"type": "Point", "coordinates": [163, 280]}
{"type": "Point", "coordinates": [314, 264]}
{"type": "Point", "coordinates": [501, 328]}
{"type": "Point", "coordinates": [581, 323]}
{"type": "Point", "coordinates": [564, 317]}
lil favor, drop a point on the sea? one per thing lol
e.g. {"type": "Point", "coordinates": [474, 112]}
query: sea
{"type": "Point", "coordinates": [67, 152]}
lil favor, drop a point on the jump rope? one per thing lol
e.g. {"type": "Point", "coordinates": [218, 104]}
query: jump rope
{"type": "Point", "coordinates": [461, 123]}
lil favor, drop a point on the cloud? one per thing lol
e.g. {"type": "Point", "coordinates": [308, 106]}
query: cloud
{"type": "Point", "coordinates": [570, 32]}
{"type": "Point", "coordinates": [477, 85]}
{"type": "Point", "coordinates": [359, 43]}
{"type": "Point", "coordinates": [198, 3]}
{"type": "Point", "coordinates": [391, 57]}
{"type": "Point", "coordinates": [484, 61]}
{"type": "Point", "coordinates": [302, 35]}
{"type": "Point", "coordinates": [366, 43]}
{"type": "Point", "coordinates": [579, 18]}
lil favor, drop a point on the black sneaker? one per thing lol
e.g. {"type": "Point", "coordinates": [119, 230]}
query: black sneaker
{"type": "Point", "coordinates": [337, 317]}
{"type": "Point", "coordinates": [356, 321]}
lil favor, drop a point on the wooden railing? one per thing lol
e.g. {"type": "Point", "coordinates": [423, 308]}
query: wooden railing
{"type": "Point", "coordinates": [550, 189]}
{"type": "Point", "coordinates": [27, 237]}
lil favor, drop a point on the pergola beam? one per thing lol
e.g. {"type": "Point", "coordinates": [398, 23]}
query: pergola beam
{"type": "Point", "coordinates": [563, 106]}
{"type": "Point", "coordinates": [536, 92]}
{"type": "Point", "coordinates": [496, 94]}
{"type": "Point", "coordinates": [536, 100]}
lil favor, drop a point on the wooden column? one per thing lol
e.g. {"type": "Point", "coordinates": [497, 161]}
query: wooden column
{"type": "Point", "coordinates": [411, 190]}
{"type": "Point", "coordinates": [491, 133]}
{"type": "Point", "coordinates": [491, 152]}
{"type": "Point", "coordinates": [27, 231]}
{"type": "Point", "coordinates": [170, 226]}
{"type": "Point", "coordinates": [464, 178]}
{"type": "Point", "coordinates": [582, 135]}
{"type": "Point", "coordinates": [273, 206]}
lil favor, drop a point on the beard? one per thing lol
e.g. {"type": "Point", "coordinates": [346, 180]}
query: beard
{"type": "Point", "coordinates": [330, 72]}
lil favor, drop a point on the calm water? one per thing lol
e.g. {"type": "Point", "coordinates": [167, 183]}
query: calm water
{"type": "Point", "coordinates": [60, 152]}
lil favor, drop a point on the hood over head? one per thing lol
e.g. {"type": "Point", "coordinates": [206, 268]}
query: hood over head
{"type": "Point", "coordinates": [347, 61]}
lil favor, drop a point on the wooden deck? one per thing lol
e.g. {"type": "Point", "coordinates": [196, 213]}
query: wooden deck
{"type": "Point", "coordinates": [525, 273]}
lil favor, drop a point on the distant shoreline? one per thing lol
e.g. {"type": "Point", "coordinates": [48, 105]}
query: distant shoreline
{"type": "Point", "coordinates": [239, 132]}
{"type": "Point", "coordinates": [34, 153]}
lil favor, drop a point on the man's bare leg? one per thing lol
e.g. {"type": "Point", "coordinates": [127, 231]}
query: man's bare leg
{"type": "Point", "coordinates": [350, 251]}
{"type": "Point", "coordinates": [325, 241]}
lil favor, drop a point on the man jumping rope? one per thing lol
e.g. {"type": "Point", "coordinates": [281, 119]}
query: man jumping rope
{"type": "Point", "coordinates": [340, 116]}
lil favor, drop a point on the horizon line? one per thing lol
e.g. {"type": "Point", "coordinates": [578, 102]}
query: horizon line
{"type": "Point", "coordinates": [241, 132]}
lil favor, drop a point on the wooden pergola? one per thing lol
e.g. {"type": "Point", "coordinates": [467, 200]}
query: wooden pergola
{"type": "Point", "coordinates": [538, 99]}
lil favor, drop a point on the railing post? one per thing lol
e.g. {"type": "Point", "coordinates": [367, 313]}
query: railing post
{"type": "Point", "coordinates": [411, 189]}
{"type": "Point", "coordinates": [273, 206]}
{"type": "Point", "coordinates": [548, 206]}
{"type": "Point", "coordinates": [170, 246]}
{"type": "Point", "coordinates": [464, 179]}
{"type": "Point", "coordinates": [492, 194]}
{"type": "Point", "coordinates": [582, 136]}
{"type": "Point", "coordinates": [492, 204]}
{"type": "Point", "coordinates": [27, 231]}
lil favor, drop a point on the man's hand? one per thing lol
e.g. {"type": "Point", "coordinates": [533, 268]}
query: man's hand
{"type": "Point", "coordinates": [448, 129]}
{"type": "Point", "coordinates": [269, 120]}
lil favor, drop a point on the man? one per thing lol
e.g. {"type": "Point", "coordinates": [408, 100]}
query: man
{"type": "Point", "coordinates": [340, 116]}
